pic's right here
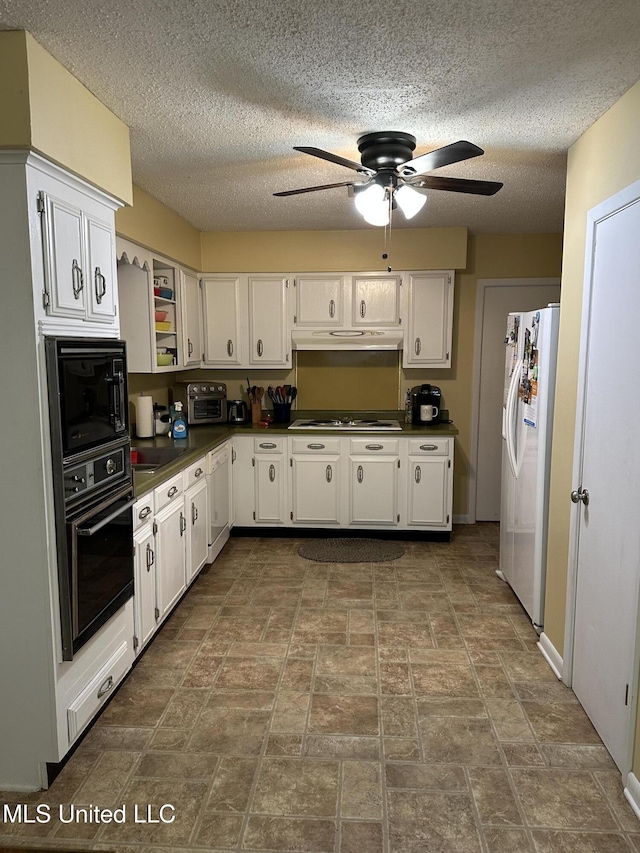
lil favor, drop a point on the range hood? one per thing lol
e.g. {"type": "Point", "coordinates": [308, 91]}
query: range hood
{"type": "Point", "coordinates": [348, 339]}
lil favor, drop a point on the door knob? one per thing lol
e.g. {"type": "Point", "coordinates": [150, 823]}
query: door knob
{"type": "Point", "coordinates": [580, 495]}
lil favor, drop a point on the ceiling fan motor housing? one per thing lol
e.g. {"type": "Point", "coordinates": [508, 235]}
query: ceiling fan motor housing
{"type": "Point", "coordinates": [386, 149]}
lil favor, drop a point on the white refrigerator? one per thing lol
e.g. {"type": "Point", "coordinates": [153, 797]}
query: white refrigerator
{"type": "Point", "coordinates": [527, 423]}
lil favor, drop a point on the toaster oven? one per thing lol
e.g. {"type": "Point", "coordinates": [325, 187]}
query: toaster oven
{"type": "Point", "coordinates": [204, 402]}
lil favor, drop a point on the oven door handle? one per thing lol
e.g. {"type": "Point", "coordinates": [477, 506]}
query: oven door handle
{"type": "Point", "coordinates": [89, 531]}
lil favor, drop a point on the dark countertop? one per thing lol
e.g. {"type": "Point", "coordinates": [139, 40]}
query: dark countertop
{"type": "Point", "coordinates": [201, 439]}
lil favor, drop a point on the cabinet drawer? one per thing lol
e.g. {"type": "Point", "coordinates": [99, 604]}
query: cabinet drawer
{"type": "Point", "coordinates": [268, 445]}
{"type": "Point", "coordinates": [195, 473]}
{"type": "Point", "coordinates": [143, 511]}
{"type": "Point", "coordinates": [429, 446]}
{"type": "Point", "coordinates": [170, 491]}
{"type": "Point", "coordinates": [374, 446]}
{"type": "Point", "coordinates": [315, 445]}
{"type": "Point", "coordinates": [96, 693]}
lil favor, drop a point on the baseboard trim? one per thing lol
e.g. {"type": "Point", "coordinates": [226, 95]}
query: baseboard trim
{"type": "Point", "coordinates": [550, 654]}
{"type": "Point", "coordinates": [632, 793]}
{"type": "Point", "coordinates": [461, 519]}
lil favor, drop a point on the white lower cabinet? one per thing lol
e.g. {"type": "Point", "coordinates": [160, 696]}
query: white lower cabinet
{"type": "Point", "coordinates": [316, 486]}
{"type": "Point", "coordinates": [197, 513]}
{"type": "Point", "coordinates": [171, 526]}
{"type": "Point", "coordinates": [338, 482]}
{"type": "Point", "coordinates": [144, 572]}
{"type": "Point", "coordinates": [374, 468]}
{"type": "Point", "coordinates": [430, 483]}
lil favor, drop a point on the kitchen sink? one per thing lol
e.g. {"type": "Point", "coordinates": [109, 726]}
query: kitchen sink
{"type": "Point", "coordinates": [151, 458]}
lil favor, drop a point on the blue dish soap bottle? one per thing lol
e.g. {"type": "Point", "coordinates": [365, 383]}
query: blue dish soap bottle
{"type": "Point", "coordinates": [179, 424]}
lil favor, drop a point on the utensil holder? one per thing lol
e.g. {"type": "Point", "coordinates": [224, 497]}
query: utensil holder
{"type": "Point", "coordinates": [256, 413]}
{"type": "Point", "coordinates": [281, 413]}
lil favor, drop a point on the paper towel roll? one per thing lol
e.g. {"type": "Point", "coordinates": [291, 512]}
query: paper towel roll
{"type": "Point", "coordinates": [144, 416]}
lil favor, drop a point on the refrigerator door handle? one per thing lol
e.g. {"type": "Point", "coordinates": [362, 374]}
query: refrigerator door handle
{"type": "Point", "coordinates": [510, 425]}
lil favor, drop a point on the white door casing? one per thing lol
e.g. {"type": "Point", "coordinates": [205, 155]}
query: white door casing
{"type": "Point", "coordinates": [601, 638]}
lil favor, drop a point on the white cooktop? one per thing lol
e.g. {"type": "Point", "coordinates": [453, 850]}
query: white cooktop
{"type": "Point", "coordinates": [347, 425]}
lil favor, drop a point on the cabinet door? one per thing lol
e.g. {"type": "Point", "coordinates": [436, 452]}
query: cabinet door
{"type": "Point", "coordinates": [64, 274]}
{"type": "Point", "coordinates": [171, 554]}
{"type": "Point", "coordinates": [197, 514]}
{"type": "Point", "coordinates": [373, 490]}
{"type": "Point", "coordinates": [319, 301]}
{"type": "Point", "coordinates": [145, 585]}
{"type": "Point", "coordinates": [269, 479]}
{"type": "Point", "coordinates": [430, 319]}
{"type": "Point", "coordinates": [316, 489]}
{"type": "Point", "coordinates": [376, 300]}
{"type": "Point", "coordinates": [190, 320]}
{"type": "Point", "coordinates": [429, 491]}
{"type": "Point", "coordinates": [100, 280]}
{"type": "Point", "coordinates": [269, 339]}
{"type": "Point", "coordinates": [224, 305]}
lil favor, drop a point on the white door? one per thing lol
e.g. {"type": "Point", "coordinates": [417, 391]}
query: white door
{"type": "Point", "coordinates": [430, 319]}
{"type": "Point", "coordinates": [373, 490]}
{"type": "Point", "coordinates": [607, 466]}
{"type": "Point", "coordinates": [170, 556]}
{"type": "Point", "coordinates": [269, 489]}
{"type": "Point", "coordinates": [224, 305]}
{"type": "Point", "coordinates": [428, 491]}
{"type": "Point", "coordinates": [269, 342]}
{"type": "Point", "coordinates": [100, 279]}
{"type": "Point", "coordinates": [319, 301]}
{"type": "Point", "coordinates": [190, 310]}
{"type": "Point", "coordinates": [316, 489]}
{"type": "Point", "coordinates": [376, 300]}
{"type": "Point", "coordinates": [64, 259]}
{"type": "Point", "coordinates": [496, 299]}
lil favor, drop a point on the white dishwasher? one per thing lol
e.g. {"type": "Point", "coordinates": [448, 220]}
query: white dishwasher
{"type": "Point", "coordinates": [219, 481]}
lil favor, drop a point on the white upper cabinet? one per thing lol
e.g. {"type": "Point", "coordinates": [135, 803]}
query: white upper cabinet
{"type": "Point", "coordinates": [318, 301]}
{"type": "Point", "coordinates": [79, 261]}
{"type": "Point", "coordinates": [376, 300]}
{"type": "Point", "coordinates": [269, 337]}
{"type": "Point", "coordinates": [223, 307]}
{"type": "Point", "coordinates": [190, 313]}
{"type": "Point", "coordinates": [429, 319]}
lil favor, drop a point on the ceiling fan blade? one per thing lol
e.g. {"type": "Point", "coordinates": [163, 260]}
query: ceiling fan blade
{"type": "Point", "coordinates": [321, 187]}
{"type": "Point", "coordinates": [334, 158]}
{"type": "Point", "coordinates": [444, 156]}
{"type": "Point", "coordinates": [455, 185]}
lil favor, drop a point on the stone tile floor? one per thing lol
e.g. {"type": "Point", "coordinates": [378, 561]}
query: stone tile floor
{"type": "Point", "coordinates": [396, 707]}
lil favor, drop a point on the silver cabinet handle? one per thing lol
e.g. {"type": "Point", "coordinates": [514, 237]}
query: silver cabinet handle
{"type": "Point", "coordinates": [418, 474]}
{"type": "Point", "coordinates": [150, 557]}
{"type": "Point", "coordinates": [77, 278]}
{"type": "Point", "coordinates": [229, 347]}
{"type": "Point", "coordinates": [144, 512]}
{"type": "Point", "coordinates": [105, 687]}
{"type": "Point", "coordinates": [272, 473]}
{"type": "Point", "coordinates": [172, 491]}
{"type": "Point", "coordinates": [428, 447]}
{"type": "Point", "coordinates": [268, 445]}
{"type": "Point", "coordinates": [332, 308]}
{"type": "Point", "coordinates": [194, 513]}
{"type": "Point", "coordinates": [183, 524]}
{"type": "Point", "coordinates": [580, 495]}
{"type": "Point", "coordinates": [100, 284]}
{"type": "Point", "coordinates": [260, 348]}
{"type": "Point", "coordinates": [329, 474]}
{"type": "Point", "coordinates": [316, 446]}
{"type": "Point", "coordinates": [363, 308]}
{"type": "Point", "coordinates": [198, 472]}
{"type": "Point", "coordinates": [189, 347]}
{"type": "Point", "coordinates": [360, 474]}
{"type": "Point", "coordinates": [375, 446]}
{"type": "Point", "coordinates": [417, 346]}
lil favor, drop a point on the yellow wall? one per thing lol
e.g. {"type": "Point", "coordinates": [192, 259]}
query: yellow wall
{"type": "Point", "coordinates": [15, 124]}
{"type": "Point", "coordinates": [605, 160]}
{"type": "Point", "coordinates": [151, 224]}
{"type": "Point", "coordinates": [309, 251]}
{"type": "Point", "coordinates": [44, 107]}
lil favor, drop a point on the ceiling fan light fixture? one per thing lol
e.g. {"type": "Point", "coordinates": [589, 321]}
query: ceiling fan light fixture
{"type": "Point", "coordinates": [372, 204]}
{"type": "Point", "coordinates": [410, 201]}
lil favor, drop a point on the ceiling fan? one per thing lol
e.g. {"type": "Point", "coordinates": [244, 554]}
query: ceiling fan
{"type": "Point", "coordinates": [391, 175]}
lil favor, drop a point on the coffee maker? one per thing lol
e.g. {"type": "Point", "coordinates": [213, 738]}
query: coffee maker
{"type": "Point", "coordinates": [425, 404]}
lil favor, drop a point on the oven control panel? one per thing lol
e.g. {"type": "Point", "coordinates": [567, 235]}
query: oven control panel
{"type": "Point", "coordinates": [84, 477]}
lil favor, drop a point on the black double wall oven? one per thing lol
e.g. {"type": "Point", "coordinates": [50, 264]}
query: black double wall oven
{"type": "Point", "coordinates": [92, 481]}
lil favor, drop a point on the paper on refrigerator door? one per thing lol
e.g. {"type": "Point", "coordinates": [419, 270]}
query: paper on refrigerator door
{"type": "Point", "coordinates": [528, 391]}
{"type": "Point", "coordinates": [511, 350]}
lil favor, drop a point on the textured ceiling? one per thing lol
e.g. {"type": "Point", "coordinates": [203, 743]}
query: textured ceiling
{"type": "Point", "coordinates": [217, 93]}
